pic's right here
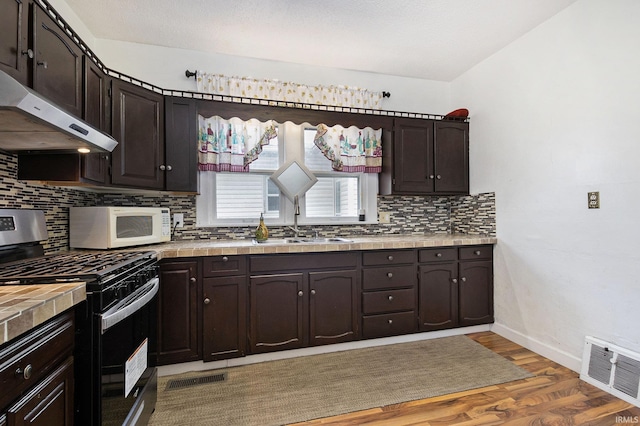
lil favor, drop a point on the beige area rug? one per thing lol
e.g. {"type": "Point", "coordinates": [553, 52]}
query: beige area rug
{"type": "Point", "coordinates": [305, 388]}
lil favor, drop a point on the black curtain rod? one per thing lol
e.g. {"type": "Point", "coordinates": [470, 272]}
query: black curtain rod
{"type": "Point", "coordinates": [190, 74]}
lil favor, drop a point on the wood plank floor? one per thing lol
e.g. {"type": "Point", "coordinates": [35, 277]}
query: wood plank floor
{"type": "Point", "coordinates": [553, 396]}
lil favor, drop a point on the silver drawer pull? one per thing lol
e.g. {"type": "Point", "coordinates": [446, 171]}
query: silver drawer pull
{"type": "Point", "coordinates": [300, 293]}
{"type": "Point", "coordinates": [26, 373]}
{"type": "Point", "coordinates": [390, 321]}
{"type": "Point", "coordinates": [225, 259]}
{"type": "Point", "coordinates": [463, 279]}
{"type": "Point", "coordinates": [390, 258]}
{"type": "Point", "coordinates": [390, 298]}
{"type": "Point", "coordinates": [207, 301]}
{"type": "Point", "coordinates": [438, 254]}
{"type": "Point", "coordinates": [477, 252]}
{"type": "Point", "coordinates": [454, 280]}
{"type": "Point", "coordinates": [389, 274]}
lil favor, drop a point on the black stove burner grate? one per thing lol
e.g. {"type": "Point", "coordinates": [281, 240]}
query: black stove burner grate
{"type": "Point", "coordinates": [85, 266]}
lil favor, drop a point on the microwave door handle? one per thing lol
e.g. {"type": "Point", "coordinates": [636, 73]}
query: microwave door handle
{"type": "Point", "coordinates": [119, 313]}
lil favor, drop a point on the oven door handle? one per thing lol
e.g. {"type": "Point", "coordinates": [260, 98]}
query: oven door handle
{"type": "Point", "coordinates": [130, 305]}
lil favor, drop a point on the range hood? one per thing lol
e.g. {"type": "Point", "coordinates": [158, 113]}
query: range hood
{"type": "Point", "coordinates": [30, 122]}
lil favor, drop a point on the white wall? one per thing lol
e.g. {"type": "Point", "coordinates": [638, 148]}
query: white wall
{"type": "Point", "coordinates": [165, 68]}
{"type": "Point", "coordinates": [555, 115]}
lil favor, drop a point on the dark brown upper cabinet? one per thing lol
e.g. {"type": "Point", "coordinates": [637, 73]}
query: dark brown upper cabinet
{"type": "Point", "coordinates": [138, 126]}
{"type": "Point", "coordinates": [426, 157]}
{"type": "Point", "coordinates": [14, 40]}
{"type": "Point", "coordinates": [181, 145]}
{"type": "Point", "coordinates": [97, 112]}
{"type": "Point", "coordinates": [57, 69]}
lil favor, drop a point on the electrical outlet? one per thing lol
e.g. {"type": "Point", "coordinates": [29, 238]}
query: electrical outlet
{"type": "Point", "coordinates": [384, 217]}
{"type": "Point", "coordinates": [594, 200]}
{"type": "Point", "coordinates": [178, 220]}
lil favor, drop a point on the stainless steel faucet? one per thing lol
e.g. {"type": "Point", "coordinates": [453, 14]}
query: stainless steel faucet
{"type": "Point", "coordinates": [296, 213]}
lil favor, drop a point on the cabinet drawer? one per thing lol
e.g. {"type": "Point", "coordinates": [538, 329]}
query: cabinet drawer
{"type": "Point", "coordinates": [378, 302]}
{"type": "Point", "coordinates": [437, 255]}
{"type": "Point", "coordinates": [294, 262]}
{"type": "Point", "coordinates": [476, 253]}
{"type": "Point", "coordinates": [29, 358]}
{"type": "Point", "coordinates": [389, 277]}
{"type": "Point", "coordinates": [388, 324]}
{"type": "Point", "coordinates": [218, 266]}
{"type": "Point", "coordinates": [388, 257]}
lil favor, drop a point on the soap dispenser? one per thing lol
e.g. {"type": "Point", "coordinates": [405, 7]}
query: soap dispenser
{"type": "Point", "coordinates": [262, 233]}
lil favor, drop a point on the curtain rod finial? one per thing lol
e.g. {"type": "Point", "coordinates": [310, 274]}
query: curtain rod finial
{"type": "Point", "coordinates": [190, 73]}
{"type": "Point", "coordinates": [386, 94]}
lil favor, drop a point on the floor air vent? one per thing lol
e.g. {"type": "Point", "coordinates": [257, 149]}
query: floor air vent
{"type": "Point", "coordinates": [611, 368]}
{"type": "Point", "coordinates": [193, 381]}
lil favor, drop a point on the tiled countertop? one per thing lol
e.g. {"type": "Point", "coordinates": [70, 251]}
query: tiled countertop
{"type": "Point", "coordinates": [230, 247]}
{"type": "Point", "coordinates": [22, 307]}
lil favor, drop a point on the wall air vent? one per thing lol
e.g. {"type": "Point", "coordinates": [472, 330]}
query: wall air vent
{"type": "Point", "coordinates": [611, 368]}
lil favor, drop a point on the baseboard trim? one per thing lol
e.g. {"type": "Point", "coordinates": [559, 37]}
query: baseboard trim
{"type": "Point", "coordinates": [563, 358]}
{"type": "Point", "coordinates": [167, 370]}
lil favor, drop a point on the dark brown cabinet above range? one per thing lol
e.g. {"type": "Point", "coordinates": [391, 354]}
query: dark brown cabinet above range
{"type": "Point", "coordinates": [426, 157]}
{"type": "Point", "coordinates": [14, 40]}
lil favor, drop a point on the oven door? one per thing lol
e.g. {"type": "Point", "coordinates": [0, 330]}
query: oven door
{"type": "Point", "coordinates": [128, 373]}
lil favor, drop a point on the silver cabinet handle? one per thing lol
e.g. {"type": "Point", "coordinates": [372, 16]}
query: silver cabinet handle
{"type": "Point", "coordinates": [225, 259]}
{"type": "Point", "coordinates": [43, 64]}
{"type": "Point", "coordinates": [313, 292]}
{"type": "Point", "coordinates": [463, 279]}
{"type": "Point", "coordinates": [300, 293]}
{"type": "Point", "coordinates": [169, 168]}
{"type": "Point", "coordinates": [438, 254]}
{"type": "Point", "coordinates": [192, 279]}
{"type": "Point", "coordinates": [454, 280]}
{"type": "Point", "coordinates": [26, 373]}
{"type": "Point", "coordinates": [207, 301]}
{"type": "Point", "coordinates": [28, 53]}
{"type": "Point", "coordinates": [438, 177]}
{"type": "Point", "coordinates": [390, 258]}
{"type": "Point", "coordinates": [390, 298]}
{"type": "Point", "coordinates": [389, 274]}
{"type": "Point", "coordinates": [163, 167]}
{"type": "Point", "coordinates": [477, 253]}
{"type": "Point", "coordinates": [431, 176]}
{"type": "Point", "coordinates": [390, 321]}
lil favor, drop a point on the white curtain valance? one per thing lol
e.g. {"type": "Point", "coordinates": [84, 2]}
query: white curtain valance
{"type": "Point", "coordinates": [343, 96]}
{"type": "Point", "coordinates": [231, 145]}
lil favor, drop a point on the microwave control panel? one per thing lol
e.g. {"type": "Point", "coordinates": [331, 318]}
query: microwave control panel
{"type": "Point", "coordinates": [166, 223]}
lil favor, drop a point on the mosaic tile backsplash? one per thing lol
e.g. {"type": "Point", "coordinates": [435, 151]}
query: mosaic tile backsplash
{"type": "Point", "coordinates": [473, 214]}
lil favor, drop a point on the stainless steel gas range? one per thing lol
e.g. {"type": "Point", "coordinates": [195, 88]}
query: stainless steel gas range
{"type": "Point", "coordinates": [114, 359]}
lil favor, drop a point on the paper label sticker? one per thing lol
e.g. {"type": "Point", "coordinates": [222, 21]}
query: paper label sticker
{"type": "Point", "coordinates": [134, 367]}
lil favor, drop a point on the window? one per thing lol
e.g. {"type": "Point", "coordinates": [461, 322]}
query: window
{"type": "Point", "coordinates": [228, 199]}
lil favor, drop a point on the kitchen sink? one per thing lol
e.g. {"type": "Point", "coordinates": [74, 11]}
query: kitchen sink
{"type": "Point", "coordinates": [303, 240]}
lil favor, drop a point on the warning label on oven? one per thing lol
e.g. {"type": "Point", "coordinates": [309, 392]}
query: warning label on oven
{"type": "Point", "coordinates": [134, 367]}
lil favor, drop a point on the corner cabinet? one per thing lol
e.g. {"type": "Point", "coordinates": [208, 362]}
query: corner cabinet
{"type": "Point", "coordinates": [426, 157]}
{"type": "Point", "coordinates": [138, 126]}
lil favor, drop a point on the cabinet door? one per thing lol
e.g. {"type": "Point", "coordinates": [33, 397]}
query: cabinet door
{"type": "Point", "coordinates": [333, 307]}
{"type": "Point", "coordinates": [413, 156]}
{"type": "Point", "coordinates": [58, 65]}
{"type": "Point", "coordinates": [96, 107]}
{"type": "Point", "coordinates": [277, 312]}
{"type": "Point", "coordinates": [224, 313]}
{"type": "Point", "coordinates": [14, 39]}
{"type": "Point", "coordinates": [178, 327]}
{"type": "Point", "coordinates": [138, 126]}
{"type": "Point", "coordinates": [181, 145]}
{"type": "Point", "coordinates": [49, 403]}
{"type": "Point", "coordinates": [476, 292]}
{"type": "Point", "coordinates": [438, 296]}
{"type": "Point", "coordinates": [451, 156]}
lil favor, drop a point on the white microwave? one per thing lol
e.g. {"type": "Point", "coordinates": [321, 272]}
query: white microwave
{"type": "Point", "coordinates": [114, 227]}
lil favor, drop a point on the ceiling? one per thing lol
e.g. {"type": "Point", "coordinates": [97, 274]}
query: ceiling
{"type": "Point", "coordinates": [429, 39]}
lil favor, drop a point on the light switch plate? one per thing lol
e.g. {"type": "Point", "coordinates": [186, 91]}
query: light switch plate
{"type": "Point", "coordinates": [594, 200]}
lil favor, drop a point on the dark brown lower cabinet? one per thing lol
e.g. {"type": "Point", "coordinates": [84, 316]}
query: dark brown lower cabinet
{"type": "Point", "coordinates": [297, 308]}
{"type": "Point", "coordinates": [476, 292]}
{"type": "Point", "coordinates": [37, 377]}
{"type": "Point", "coordinates": [224, 317]}
{"type": "Point", "coordinates": [455, 287]}
{"type": "Point", "coordinates": [178, 324]}
{"type": "Point", "coordinates": [438, 292]}
{"type": "Point", "coordinates": [49, 403]}
{"type": "Point", "coordinates": [277, 312]}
